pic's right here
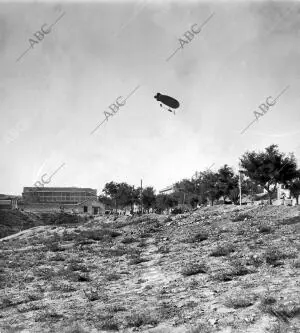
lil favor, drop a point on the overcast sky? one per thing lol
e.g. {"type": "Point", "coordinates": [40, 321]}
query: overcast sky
{"type": "Point", "coordinates": [56, 94]}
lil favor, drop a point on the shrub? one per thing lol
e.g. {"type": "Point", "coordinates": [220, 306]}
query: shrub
{"type": "Point", "coordinates": [140, 319]}
{"type": "Point", "coordinates": [240, 300]}
{"type": "Point", "coordinates": [283, 312]}
{"type": "Point", "coordinates": [264, 229]}
{"type": "Point", "coordinates": [273, 256]}
{"type": "Point", "coordinates": [163, 249]}
{"type": "Point", "coordinates": [222, 251]}
{"type": "Point", "coordinates": [241, 217]}
{"type": "Point", "coordinates": [57, 257]}
{"type": "Point", "coordinates": [199, 237]}
{"type": "Point", "coordinates": [254, 260]}
{"type": "Point", "coordinates": [193, 269]}
{"type": "Point", "coordinates": [201, 328]}
{"type": "Point", "coordinates": [53, 246]}
{"type": "Point", "coordinates": [128, 240]}
{"type": "Point", "coordinates": [74, 266]}
{"type": "Point", "coordinates": [75, 328]}
{"type": "Point", "coordinates": [110, 325]}
{"type": "Point", "coordinates": [296, 263]}
{"type": "Point", "coordinates": [142, 243]}
{"type": "Point", "coordinates": [113, 277]}
{"type": "Point", "coordinates": [229, 273]}
{"type": "Point", "coordinates": [83, 277]}
{"type": "Point", "coordinates": [104, 234]}
{"type": "Point", "coordinates": [116, 308]}
{"type": "Point", "coordinates": [92, 294]}
{"type": "Point", "coordinates": [176, 211]}
{"type": "Point", "coordinates": [137, 260]}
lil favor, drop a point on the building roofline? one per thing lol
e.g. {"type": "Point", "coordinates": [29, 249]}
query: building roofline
{"type": "Point", "coordinates": [59, 189]}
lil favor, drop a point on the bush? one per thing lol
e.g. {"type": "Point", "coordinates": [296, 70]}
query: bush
{"type": "Point", "coordinates": [137, 260]}
{"type": "Point", "coordinates": [273, 256]}
{"type": "Point", "coordinates": [199, 237]}
{"type": "Point", "coordinates": [229, 273]}
{"type": "Point", "coordinates": [240, 300]}
{"type": "Point", "coordinates": [137, 320]}
{"type": "Point", "coordinates": [100, 234]}
{"type": "Point", "coordinates": [283, 312]}
{"type": "Point", "coordinates": [60, 218]}
{"type": "Point", "coordinates": [92, 294]}
{"type": "Point", "coordinates": [241, 217]}
{"type": "Point", "coordinates": [113, 277]}
{"type": "Point", "coordinates": [264, 229]}
{"type": "Point", "coordinates": [176, 211]}
{"type": "Point", "coordinates": [194, 268]}
{"type": "Point", "coordinates": [222, 251]}
{"type": "Point", "coordinates": [128, 240]}
{"type": "Point", "coordinates": [110, 325]}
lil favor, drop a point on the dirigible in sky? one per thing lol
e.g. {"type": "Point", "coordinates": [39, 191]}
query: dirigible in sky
{"type": "Point", "coordinates": [171, 102]}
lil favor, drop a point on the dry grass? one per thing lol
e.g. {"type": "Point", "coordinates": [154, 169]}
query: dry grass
{"type": "Point", "coordinates": [193, 269]}
{"type": "Point", "coordinates": [222, 250]}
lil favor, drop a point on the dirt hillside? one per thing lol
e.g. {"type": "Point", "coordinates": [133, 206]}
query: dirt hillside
{"type": "Point", "coordinates": [220, 269]}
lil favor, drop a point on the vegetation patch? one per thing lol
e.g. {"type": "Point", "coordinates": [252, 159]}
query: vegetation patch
{"type": "Point", "coordinates": [141, 319]}
{"type": "Point", "coordinates": [283, 312]}
{"type": "Point", "coordinates": [193, 269]}
{"type": "Point", "coordinates": [128, 240]}
{"type": "Point", "coordinates": [241, 217]}
{"type": "Point", "coordinates": [199, 237]}
{"type": "Point", "coordinates": [223, 250]}
{"type": "Point", "coordinates": [274, 255]}
{"type": "Point", "coordinates": [137, 260]}
{"type": "Point", "coordinates": [240, 300]}
{"type": "Point", "coordinates": [264, 229]}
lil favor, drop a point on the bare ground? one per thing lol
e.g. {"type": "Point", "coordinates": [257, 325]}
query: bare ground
{"type": "Point", "coordinates": [220, 269]}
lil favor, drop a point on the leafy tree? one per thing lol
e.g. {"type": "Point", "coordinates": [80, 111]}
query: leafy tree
{"type": "Point", "coordinates": [111, 190]}
{"type": "Point", "coordinates": [294, 186]}
{"type": "Point", "coordinates": [164, 201]}
{"type": "Point", "coordinates": [269, 168]}
{"type": "Point", "coordinates": [234, 195]}
{"type": "Point", "coordinates": [107, 201]}
{"type": "Point", "coordinates": [227, 181]}
{"type": "Point", "coordinates": [121, 194]}
{"type": "Point", "coordinates": [148, 197]}
{"type": "Point", "coordinates": [209, 184]}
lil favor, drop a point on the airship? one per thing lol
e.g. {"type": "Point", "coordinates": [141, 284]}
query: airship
{"type": "Point", "coordinates": [168, 101]}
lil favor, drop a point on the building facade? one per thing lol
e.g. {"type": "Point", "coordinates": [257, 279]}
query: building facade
{"type": "Point", "coordinates": [8, 201]}
{"type": "Point", "coordinates": [73, 199]}
{"type": "Point", "coordinates": [168, 190]}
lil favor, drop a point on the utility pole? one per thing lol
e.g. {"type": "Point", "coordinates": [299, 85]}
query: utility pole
{"type": "Point", "coordinates": [240, 184]}
{"type": "Point", "coordinates": [141, 196]}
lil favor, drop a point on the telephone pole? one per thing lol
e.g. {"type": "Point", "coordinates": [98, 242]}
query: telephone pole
{"type": "Point", "coordinates": [240, 184]}
{"type": "Point", "coordinates": [141, 196]}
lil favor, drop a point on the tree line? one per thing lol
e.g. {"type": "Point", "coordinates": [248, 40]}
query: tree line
{"type": "Point", "coordinates": [259, 171]}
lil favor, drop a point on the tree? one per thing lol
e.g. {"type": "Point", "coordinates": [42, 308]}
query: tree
{"type": "Point", "coordinates": [227, 181]}
{"type": "Point", "coordinates": [148, 197]}
{"type": "Point", "coordinates": [210, 185]}
{"type": "Point", "coordinates": [164, 201]}
{"type": "Point", "coordinates": [121, 194]}
{"type": "Point", "coordinates": [294, 186]}
{"type": "Point", "coordinates": [234, 195]}
{"type": "Point", "coordinates": [269, 168]}
{"type": "Point", "coordinates": [107, 201]}
{"type": "Point", "coordinates": [111, 190]}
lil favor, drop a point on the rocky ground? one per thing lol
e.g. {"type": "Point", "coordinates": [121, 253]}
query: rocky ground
{"type": "Point", "coordinates": [220, 269]}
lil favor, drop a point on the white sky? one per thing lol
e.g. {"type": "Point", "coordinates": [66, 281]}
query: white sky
{"type": "Point", "coordinates": [55, 95]}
